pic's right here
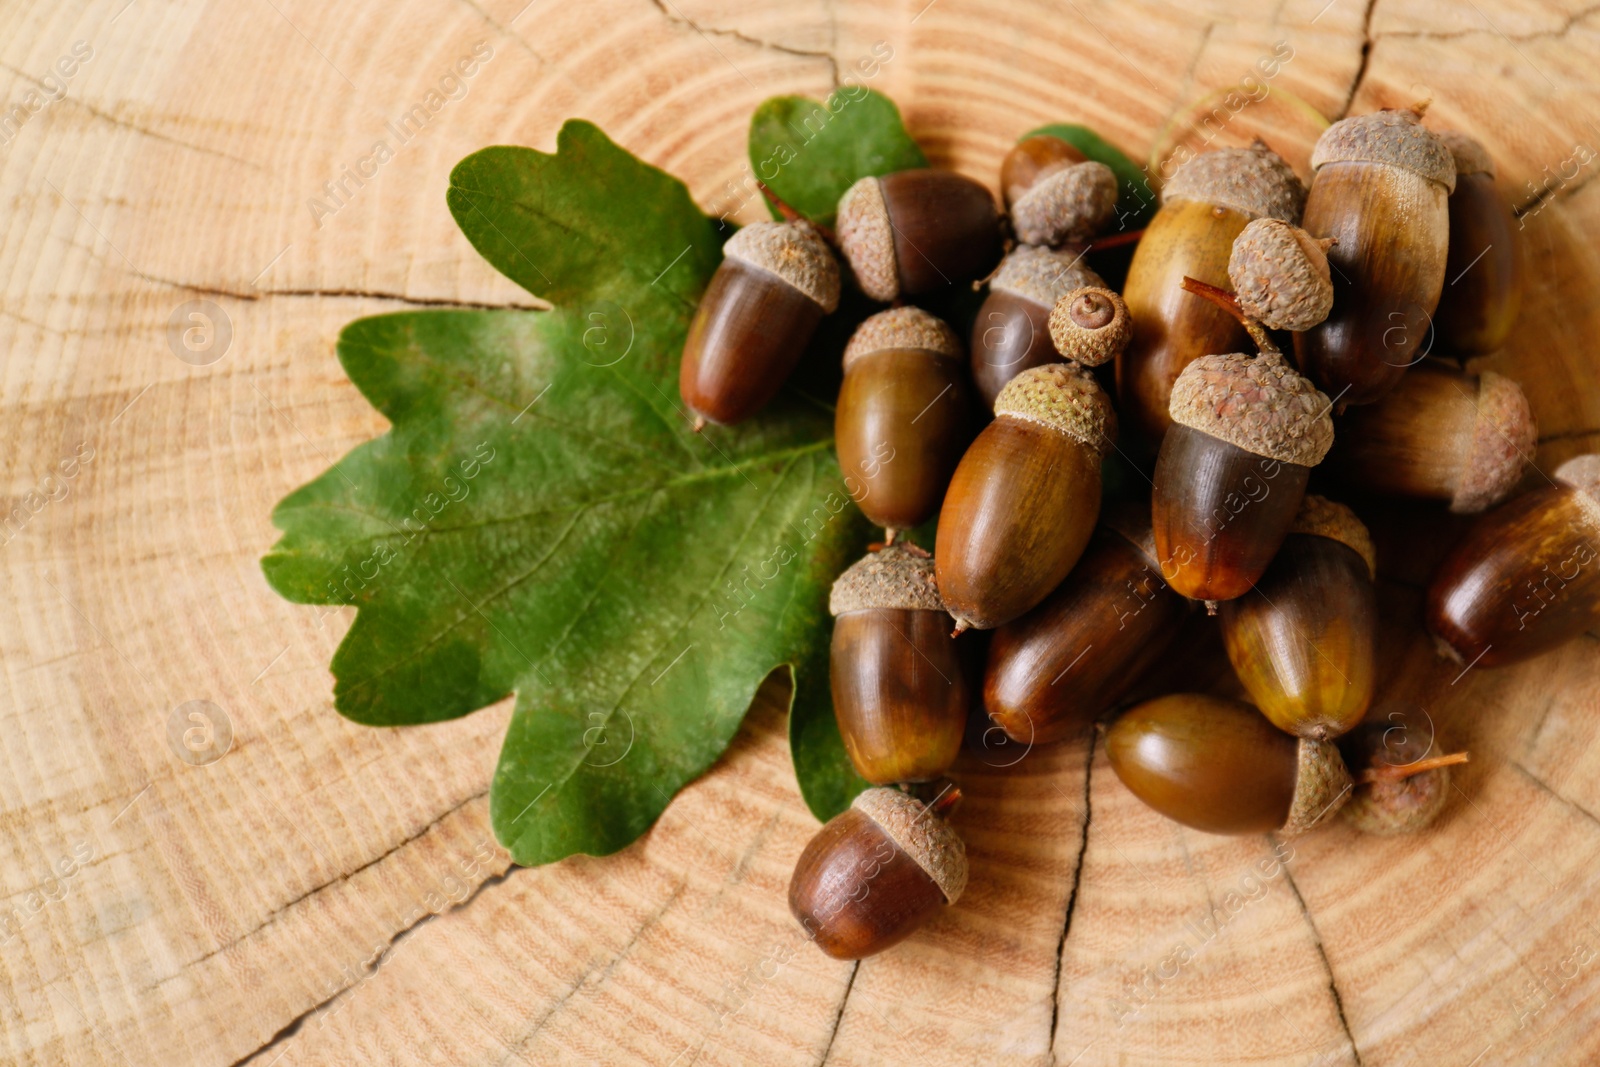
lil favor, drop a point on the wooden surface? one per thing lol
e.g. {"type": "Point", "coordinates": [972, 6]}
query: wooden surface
{"type": "Point", "coordinates": [328, 893]}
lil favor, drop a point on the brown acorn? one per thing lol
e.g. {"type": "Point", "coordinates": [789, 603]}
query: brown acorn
{"type": "Point", "coordinates": [1304, 639]}
{"type": "Point", "coordinates": [1217, 765]}
{"type": "Point", "coordinates": [1280, 275]}
{"type": "Point", "coordinates": [1054, 192]}
{"type": "Point", "coordinates": [1025, 497]}
{"type": "Point", "coordinates": [876, 872]}
{"type": "Point", "coordinates": [899, 692]}
{"type": "Point", "coordinates": [1051, 672]}
{"type": "Point", "coordinates": [1012, 332]}
{"type": "Point", "coordinates": [1204, 207]}
{"type": "Point", "coordinates": [1526, 577]}
{"type": "Point", "coordinates": [1440, 434]}
{"type": "Point", "coordinates": [1484, 268]}
{"type": "Point", "coordinates": [1379, 189]}
{"type": "Point", "coordinates": [1385, 804]}
{"type": "Point", "coordinates": [1232, 470]}
{"type": "Point", "coordinates": [917, 231]}
{"type": "Point", "coordinates": [904, 415]}
{"type": "Point", "coordinates": [775, 282]}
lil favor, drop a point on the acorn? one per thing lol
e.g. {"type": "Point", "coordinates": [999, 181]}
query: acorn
{"type": "Point", "coordinates": [917, 231]}
{"type": "Point", "coordinates": [1025, 497]}
{"type": "Point", "coordinates": [1217, 765]}
{"type": "Point", "coordinates": [1232, 470]}
{"type": "Point", "coordinates": [1051, 672]}
{"type": "Point", "coordinates": [1012, 332]}
{"type": "Point", "coordinates": [1204, 207]}
{"type": "Point", "coordinates": [1054, 192]}
{"type": "Point", "coordinates": [1440, 434]}
{"type": "Point", "coordinates": [1380, 188]}
{"type": "Point", "coordinates": [903, 416]}
{"type": "Point", "coordinates": [899, 692]}
{"type": "Point", "coordinates": [1280, 275]}
{"type": "Point", "coordinates": [1526, 577]}
{"type": "Point", "coordinates": [876, 872]}
{"type": "Point", "coordinates": [1483, 269]}
{"type": "Point", "coordinates": [1304, 639]}
{"type": "Point", "coordinates": [775, 282]}
{"type": "Point", "coordinates": [1386, 804]}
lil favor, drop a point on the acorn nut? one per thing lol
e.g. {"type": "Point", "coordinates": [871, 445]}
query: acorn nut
{"type": "Point", "coordinates": [1055, 193]}
{"type": "Point", "coordinates": [1012, 331]}
{"type": "Point", "coordinates": [1025, 497]}
{"type": "Point", "coordinates": [775, 283]}
{"type": "Point", "coordinates": [899, 693]}
{"type": "Point", "coordinates": [903, 415]}
{"type": "Point", "coordinates": [876, 872]}
{"type": "Point", "coordinates": [1484, 268]}
{"type": "Point", "coordinates": [1217, 765]}
{"type": "Point", "coordinates": [916, 231]}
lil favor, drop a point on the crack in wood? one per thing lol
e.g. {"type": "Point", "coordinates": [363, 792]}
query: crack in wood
{"type": "Point", "coordinates": [1322, 954]}
{"type": "Point", "coordinates": [1366, 57]}
{"type": "Point", "coordinates": [838, 1016]}
{"type": "Point", "coordinates": [670, 12]}
{"type": "Point", "coordinates": [1072, 895]}
{"type": "Point", "coordinates": [352, 294]}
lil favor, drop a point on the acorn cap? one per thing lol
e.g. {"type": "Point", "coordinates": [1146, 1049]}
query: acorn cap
{"type": "Point", "coordinates": [1258, 403]}
{"type": "Point", "coordinates": [1503, 439]}
{"type": "Point", "coordinates": [1470, 156]}
{"type": "Point", "coordinates": [795, 252]}
{"type": "Point", "coordinates": [892, 577]}
{"type": "Point", "coordinates": [867, 239]}
{"type": "Point", "coordinates": [1322, 786]}
{"type": "Point", "coordinates": [1064, 397]}
{"type": "Point", "coordinates": [921, 834]}
{"type": "Point", "coordinates": [1390, 808]}
{"type": "Point", "coordinates": [1583, 474]}
{"type": "Point", "coordinates": [1068, 203]}
{"type": "Point", "coordinates": [1322, 517]}
{"type": "Point", "coordinates": [1393, 136]}
{"type": "Point", "coordinates": [903, 327]}
{"type": "Point", "coordinates": [1075, 333]}
{"type": "Point", "coordinates": [1280, 275]}
{"type": "Point", "coordinates": [1130, 519]}
{"type": "Point", "coordinates": [1253, 181]}
{"type": "Point", "coordinates": [1041, 275]}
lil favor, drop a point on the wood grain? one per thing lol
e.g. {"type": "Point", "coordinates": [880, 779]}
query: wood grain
{"type": "Point", "coordinates": [327, 893]}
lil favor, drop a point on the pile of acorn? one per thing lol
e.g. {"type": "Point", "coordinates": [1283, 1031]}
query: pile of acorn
{"type": "Point", "coordinates": [1082, 601]}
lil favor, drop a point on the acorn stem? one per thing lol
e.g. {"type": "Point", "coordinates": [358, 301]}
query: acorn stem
{"type": "Point", "coordinates": [1116, 240]}
{"type": "Point", "coordinates": [1397, 772]}
{"type": "Point", "coordinates": [940, 796]}
{"type": "Point", "coordinates": [1230, 303]}
{"type": "Point", "coordinates": [791, 215]}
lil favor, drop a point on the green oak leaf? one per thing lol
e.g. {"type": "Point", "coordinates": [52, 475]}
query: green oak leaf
{"type": "Point", "coordinates": [540, 520]}
{"type": "Point", "coordinates": [1136, 203]}
{"type": "Point", "coordinates": [809, 153]}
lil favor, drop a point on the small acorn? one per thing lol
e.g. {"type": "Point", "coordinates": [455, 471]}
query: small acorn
{"type": "Point", "coordinates": [1280, 275]}
{"type": "Point", "coordinates": [1090, 326]}
{"type": "Point", "coordinates": [1304, 639]}
{"type": "Point", "coordinates": [1204, 207]}
{"type": "Point", "coordinates": [1025, 497]}
{"type": "Point", "coordinates": [1011, 333]}
{"type": "Point", "coordinates": [1055, 193]}
{"type": "Point", "coordinates": [775, 283]}
{"type": "Point", "coordinates": [1232, 470]}
{"type": "Point", "coordinates": [1484, 269]}
{"type": "Point", "coordinates": [1380, 188]}
{"type": "Point", "coordinates": [904, 415]}
{"type": "Point", "coordinates": [1217, 765]}
{"type": "Point", "coordinates": [876, 872]}
{"type": "Point", "coordinates": [1051, 672]}
{"type": "Point", "coordinates": [1390, 805]}
{"type": "Point", "coordinates": [1526, 577]}
{"type": "Point", "coordinates": [1440, 434]}
{"type": "Point", "coordinates": [916, 231]}
{"type": "Point", "coordinates": [899, 691]}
